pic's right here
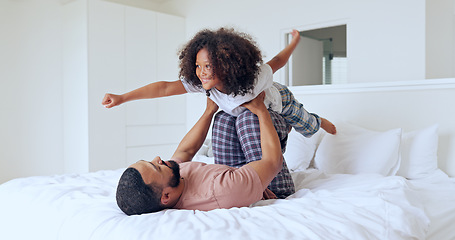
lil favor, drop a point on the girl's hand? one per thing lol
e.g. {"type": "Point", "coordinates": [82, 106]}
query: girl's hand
{"type": "Point", "coordinates": [295, 35]}
{"type": "Point", "coordinates": [111, 100]}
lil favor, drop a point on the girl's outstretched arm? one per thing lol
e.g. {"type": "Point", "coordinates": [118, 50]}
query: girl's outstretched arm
{"type": "Point", "coordinates": [152, 90]}
{"type": "Point", "coordinates": [282, 57]}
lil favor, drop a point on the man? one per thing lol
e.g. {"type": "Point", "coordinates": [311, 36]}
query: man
{"type": "Point", "coordinates": [179, 183]}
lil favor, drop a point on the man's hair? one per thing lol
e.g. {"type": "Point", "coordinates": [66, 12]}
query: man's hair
{"type": "Point", "coordinates": [134, 197]}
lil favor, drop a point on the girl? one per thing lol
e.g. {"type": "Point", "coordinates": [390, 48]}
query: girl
{"type": "Point", "coordinates": [227, 66]}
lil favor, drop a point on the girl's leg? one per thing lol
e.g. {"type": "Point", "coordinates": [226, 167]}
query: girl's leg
{"type": "Point", "coordinates": [296, 115]}
{"type": "Point", "coordinates": [225, 143]}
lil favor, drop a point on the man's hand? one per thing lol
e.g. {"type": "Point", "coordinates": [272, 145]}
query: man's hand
{"type": "Point", "coordinates": [211, 107]}
{"type": "Point", "coordinates": [256, 105]}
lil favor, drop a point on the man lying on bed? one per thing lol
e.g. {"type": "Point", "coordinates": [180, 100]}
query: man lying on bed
{"type": "Point", "coordinates": [147, 187]}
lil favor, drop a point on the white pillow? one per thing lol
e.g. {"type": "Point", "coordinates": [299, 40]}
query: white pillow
{"type": "Point", "coordinates": [356, 150]}
{"type": "Point", "coordinates": [419, 153]}
{"type": "Point", "coordinates": [300, 150]}
{"type": "Point", "coordinates": [206, 148]}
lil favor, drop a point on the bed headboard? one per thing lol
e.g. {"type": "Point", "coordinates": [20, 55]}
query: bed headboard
{"type": "Point", "coordinates": [409, 105]}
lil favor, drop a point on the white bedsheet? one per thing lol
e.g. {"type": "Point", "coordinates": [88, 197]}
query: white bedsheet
{"type": "Point", "coordinates": [324, 207]}
{"type": "Point", "coordinates": [437, 195]}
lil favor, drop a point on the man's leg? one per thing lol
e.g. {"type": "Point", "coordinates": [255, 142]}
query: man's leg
{"type": "Point", "coordinates": [248, 131]}
{"type": "Point", "coordinates": [225, 143]}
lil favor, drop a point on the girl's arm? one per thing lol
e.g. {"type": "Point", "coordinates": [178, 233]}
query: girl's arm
{"type": "Point", "coordinates": [152, 90]}
{"type": "Point", "coordinates": [282, 57]}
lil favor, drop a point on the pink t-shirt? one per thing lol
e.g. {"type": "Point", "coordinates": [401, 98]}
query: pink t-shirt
{"type": "Point", "coordinates": [212, 186]}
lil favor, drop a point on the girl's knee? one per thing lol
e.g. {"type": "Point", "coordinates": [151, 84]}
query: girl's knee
{"type": "Point", "coordinates": [224, 120]}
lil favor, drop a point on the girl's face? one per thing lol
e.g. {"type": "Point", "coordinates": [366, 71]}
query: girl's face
{"type": "Point", "coordinates": [205, 73]}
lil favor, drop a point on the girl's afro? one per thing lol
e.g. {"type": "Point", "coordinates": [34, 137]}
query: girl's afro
{"type": "Point", "coordinates": [235, 59]}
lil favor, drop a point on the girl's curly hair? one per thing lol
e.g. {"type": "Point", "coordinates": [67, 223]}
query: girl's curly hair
{"type": "Point", "coordinates": [235, 59]}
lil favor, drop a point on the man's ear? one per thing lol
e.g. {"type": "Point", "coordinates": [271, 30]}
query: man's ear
{"type": "Point", "coordinates": [166, 196]}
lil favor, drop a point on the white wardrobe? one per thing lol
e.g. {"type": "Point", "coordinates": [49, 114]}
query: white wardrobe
{"type": "Point", "coordinates": [109, 47]}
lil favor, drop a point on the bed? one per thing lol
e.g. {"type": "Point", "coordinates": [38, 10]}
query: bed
{"type": "Point", "coordinates": [378, 178]}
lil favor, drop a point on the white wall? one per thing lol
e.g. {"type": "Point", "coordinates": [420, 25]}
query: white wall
{"type": "Point", "coordinates": [75, 87]}
{"type": "Point", "coordinates": [385, 39]}
{"type": "Point", "coordinates": [31, 103]}
{"type": "Point", "coordinates": [58, 59]}
{"type": "Point", "coordinates": [129, 48]}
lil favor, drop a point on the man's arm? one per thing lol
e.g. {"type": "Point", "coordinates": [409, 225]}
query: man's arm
{"type": "Point", "coordinates": [194, 139]}
{"type": "Point", "coordinates": [282, 57]}
{"type": "Point", "coordinates": [152, 90]}
{"type": "Point", "coordinates": [272, 159]}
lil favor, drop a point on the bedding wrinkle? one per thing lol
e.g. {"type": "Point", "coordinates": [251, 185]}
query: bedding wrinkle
{"type": "Point", "coordinates": [436, 195]}
{"type": "Point", "coordinates": [377, 191]}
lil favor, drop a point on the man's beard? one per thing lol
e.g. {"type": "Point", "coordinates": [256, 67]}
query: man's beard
{"type": "Point", "coordinates": [175, 179]}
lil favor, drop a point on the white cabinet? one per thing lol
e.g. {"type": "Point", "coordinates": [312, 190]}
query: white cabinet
{"type": "Point", "coordinates": [126, 48]}
{"type": "Point", "coordinates": [153, 127]}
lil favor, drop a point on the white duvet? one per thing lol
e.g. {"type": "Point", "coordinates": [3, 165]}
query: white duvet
{"type": "Point", "coordinates": [324, 207]}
